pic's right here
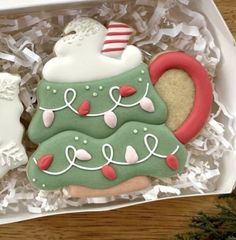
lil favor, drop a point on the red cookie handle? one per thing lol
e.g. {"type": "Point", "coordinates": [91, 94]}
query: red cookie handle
{"type": "Point", "coordinates": [203, 90]}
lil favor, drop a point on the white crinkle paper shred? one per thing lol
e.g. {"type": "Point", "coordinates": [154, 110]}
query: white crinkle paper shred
{"type": "Point", "coordinates": [26, 43]}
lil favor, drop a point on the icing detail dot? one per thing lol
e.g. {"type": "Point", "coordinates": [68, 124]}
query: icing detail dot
{"type": "Point", "coordinates": [34, 180]}
{"type": "Point", "coordinates": [48, 87]}
{"type": "Point", "coordinates": [140, 79]}
{"type": "Point", "coordinates": [100, 88]}
{"type": "Point", "coordinates": [95, 94]}
{"type": "Point", "coordinates": [145, 129]}
{"type": "Point", "coordinates": [76, 138]}
{"type": "Point", "coordinates": [135, 131]}
{"type": "Point", "coordinates": [54, 91]}
{"type": "Point", "coordinates": [43, 185]}
{"type": "Point", "coordinates": [85, 141]}
{"type": "Point", "coordinates": [142, 71]}
{"type": "Point", "coordinates": [87, 87]}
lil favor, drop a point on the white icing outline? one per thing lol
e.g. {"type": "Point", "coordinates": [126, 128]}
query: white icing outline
{"type": "Point", "coordinates": [117, 103]}
{"type": "Point", "coordinates": [109, 159]}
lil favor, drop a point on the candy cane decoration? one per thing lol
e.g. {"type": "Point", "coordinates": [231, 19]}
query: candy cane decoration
{"type": "Point", "coordinates": [117, 38]}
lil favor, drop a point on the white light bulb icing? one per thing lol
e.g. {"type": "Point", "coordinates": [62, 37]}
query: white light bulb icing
{"type": "Point", "coordinates": [79, 58]}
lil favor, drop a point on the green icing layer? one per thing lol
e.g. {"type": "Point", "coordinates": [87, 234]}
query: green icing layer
{"type": "Point", "coordinates": [70, 132]}
{"type": "Point", "coordinates": [131, 133]}
{"type": "Point", "coordinates": [51, 96]}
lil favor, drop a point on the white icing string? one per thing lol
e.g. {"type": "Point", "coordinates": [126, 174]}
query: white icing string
{"type": "Point", "coordinates": [68, 104]}
{"type": "Point", "coordinates": [109, 158]}
{"type": "Point", "coordinates": [152, 152]}
{"type": "Point", "coordinates": [117, 103]}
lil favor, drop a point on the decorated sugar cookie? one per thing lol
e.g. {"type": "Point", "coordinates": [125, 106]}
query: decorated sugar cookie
{"type": "Point", "coordinates": [12, 153]}
{"type": "Point", "coordinates": [101, 124]}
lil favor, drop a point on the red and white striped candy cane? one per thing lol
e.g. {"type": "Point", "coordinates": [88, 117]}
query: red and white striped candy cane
{"type": "Point", "coordinates": [117, 38]}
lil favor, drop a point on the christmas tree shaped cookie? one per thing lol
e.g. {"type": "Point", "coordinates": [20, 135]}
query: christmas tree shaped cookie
{"type": "Point", "coordinates": [100, 123]}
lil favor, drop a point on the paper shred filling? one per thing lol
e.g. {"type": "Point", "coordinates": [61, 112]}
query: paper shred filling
{"type": "Point", "coordinates": [26, 43]}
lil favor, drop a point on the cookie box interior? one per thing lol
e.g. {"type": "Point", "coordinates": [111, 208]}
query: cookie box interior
{"type": "Point", "coordinates": [225, 85]}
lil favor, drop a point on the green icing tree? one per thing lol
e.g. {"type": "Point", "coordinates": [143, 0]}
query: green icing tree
{"type": "Point", "coordinates": [100, 133]}
{"type": "Point", "coordinates": [52, 96]}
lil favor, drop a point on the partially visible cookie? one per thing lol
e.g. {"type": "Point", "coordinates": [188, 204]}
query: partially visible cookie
{"type": "Point", "coordinates": [12, 152]}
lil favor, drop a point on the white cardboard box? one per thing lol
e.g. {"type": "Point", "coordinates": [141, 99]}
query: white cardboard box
{"type": "Point", "coordinates": [225, 84]}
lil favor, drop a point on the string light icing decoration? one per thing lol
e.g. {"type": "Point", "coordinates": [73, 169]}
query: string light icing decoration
{"type": "Point", "coordinates": [110, 117]}
{"type": "Point", "coordinates": [108, 154]}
